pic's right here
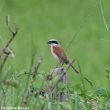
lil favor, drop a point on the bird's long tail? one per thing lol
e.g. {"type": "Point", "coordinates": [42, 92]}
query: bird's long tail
{"type": "Point", "coordinates": [75, 69]}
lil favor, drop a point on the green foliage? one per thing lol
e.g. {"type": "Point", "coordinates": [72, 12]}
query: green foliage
{"type": "Point", "coordinates": [82, 27]}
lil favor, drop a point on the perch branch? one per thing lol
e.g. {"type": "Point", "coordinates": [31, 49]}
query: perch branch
{"type": "Point", "coordinates": [62, 78]}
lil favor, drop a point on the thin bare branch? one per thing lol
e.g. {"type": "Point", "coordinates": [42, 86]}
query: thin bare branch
{"type": "Point", "coordinates": [12, 38]}
{"type": "Point", "coordinates": [71, 63]}
{"type": "Point", "coordinates": [3, 63]}
{"type": "Point", "coordinates": [5, 50]}
{"type": "Point", "coordinates": [34, 73]}
{"type": "Point", "coordinates": [103, 16]}
{"type": "Point", "coordinates": [29, 84]}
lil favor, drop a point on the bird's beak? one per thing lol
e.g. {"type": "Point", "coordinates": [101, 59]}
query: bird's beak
{"type": "Point", "coordinates": [48, 42]}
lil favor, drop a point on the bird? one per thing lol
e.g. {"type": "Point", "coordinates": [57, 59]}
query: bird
{"type": "Point", "coordinates": [59, 53]}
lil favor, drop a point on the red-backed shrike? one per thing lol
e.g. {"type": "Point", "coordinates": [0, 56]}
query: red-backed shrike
{"type": "Point", "coordinates": [59, 53]}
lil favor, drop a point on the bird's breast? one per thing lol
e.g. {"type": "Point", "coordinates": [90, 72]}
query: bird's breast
{"type": "Point", "coordinates": [54, 55]}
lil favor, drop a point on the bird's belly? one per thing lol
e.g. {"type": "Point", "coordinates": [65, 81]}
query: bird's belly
{"type": "Point", "coordinates": [54, 55]}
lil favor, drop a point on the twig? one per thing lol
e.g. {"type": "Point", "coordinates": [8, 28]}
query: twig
{"type": "Point", "coordinates": [3, 63]}
{"type": "Point", "coordinates": [29, 84]}
{"type": "Point", "coordinates": [11, 31]}
{"type": "Point", "coordinates": [71, 63]}
{"type": "Point", "coordinates": [7, 44]}
{"type": "Point", "coordinates": [90, 82]}
{"type": "Point", "coordinates": [23, 101]}
{"type": "Point", "coordinates": [34, 73]}
{"type": "Point", "coordinates": [103, 17]}
{"type": "Point", "coordinates": [23, 73]}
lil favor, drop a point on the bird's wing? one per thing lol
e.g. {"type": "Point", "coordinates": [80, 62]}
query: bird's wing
{"type": "Point", "coordinates": [59, 51]}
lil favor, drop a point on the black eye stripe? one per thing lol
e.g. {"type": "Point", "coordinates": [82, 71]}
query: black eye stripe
{"type": "Point", "coordinates": [55, 42]}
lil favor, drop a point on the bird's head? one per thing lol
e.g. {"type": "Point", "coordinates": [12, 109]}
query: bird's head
{"type": "Point", "coordinates": [53, 42]}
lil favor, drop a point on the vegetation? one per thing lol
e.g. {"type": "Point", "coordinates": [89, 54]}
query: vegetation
{"type": "Point", "coordinates": [82, 27]}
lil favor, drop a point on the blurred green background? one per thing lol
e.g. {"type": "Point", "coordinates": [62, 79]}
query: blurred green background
{"type": "Point", "coordinates": [65, 20]}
